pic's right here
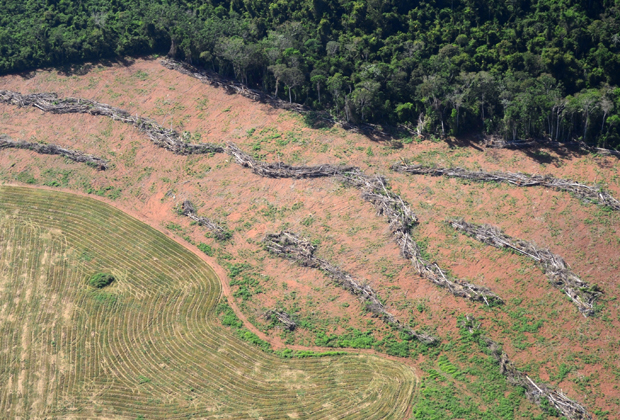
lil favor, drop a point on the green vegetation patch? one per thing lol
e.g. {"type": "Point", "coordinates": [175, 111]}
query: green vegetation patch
{"type": "Point", "coordinates": [101, 280]}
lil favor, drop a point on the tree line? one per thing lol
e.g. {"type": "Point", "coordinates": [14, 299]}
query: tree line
{"type": "Point", "coordinates": [518, 68]}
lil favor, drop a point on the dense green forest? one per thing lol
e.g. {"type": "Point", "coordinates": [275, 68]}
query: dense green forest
{"type": "Point", "coordinates": [516, 68]}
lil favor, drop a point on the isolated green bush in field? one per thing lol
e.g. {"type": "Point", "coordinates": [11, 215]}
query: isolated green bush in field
{"type": "Point", "coordinates": [207, 249]}
{"type": "Point", "coordinates": [101, 280]}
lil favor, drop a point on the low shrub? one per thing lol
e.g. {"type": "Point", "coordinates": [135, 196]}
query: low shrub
{"type": "Point", "coordinates": [207, 249]}
{"type": "Point", "coordinates": [101, 280]}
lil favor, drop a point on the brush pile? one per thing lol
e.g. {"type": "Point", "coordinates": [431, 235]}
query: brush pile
{"type": "Point", "coordinates": [401, 219]}
{"type": "Point", "coordinates": [52, 149]}
{"type": "Point", "coordinates": [281, 317]}
{"type": "Point", "coordinates": [189, 210]}
{"type": "Point", "coordinates": [592, 193]}
{"type": "Point", "coordinates": [535, 392]}
{"type": "Point", "coordinates": [555, 268]}
{"type": "Point", "coordinates": [162, 137]}
{"type": "Point", "coordinates": [288, 245]}
{"type": "Point", "coordinates": [282, 170]}
{"type": "Point", "coordinates": [374, 190]}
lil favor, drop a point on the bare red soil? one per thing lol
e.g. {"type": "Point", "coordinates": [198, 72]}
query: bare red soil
{"type": "Point", "coordinates": [152, 181]}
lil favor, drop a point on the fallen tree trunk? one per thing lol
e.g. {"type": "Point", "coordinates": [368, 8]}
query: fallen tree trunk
{"type": "Point", "coordinates": [288, 245]}
{"type": "Point", "coordinates": [401, 219]}
{"type": "Point", "coordinates": [162, 137]}
{"type": "Point", "coordinates": [189, 210]}
{"type": "Point", "coordinates": [52, 149]}
{"type": "Point", "coordinates": [282, 170]}
{"type": "Point", "coordinates": [592, 193]}
{"type": "Point", "coordinates": [555, 268]}
{"type": "Point", "coordinates": [536, 392]}
{"type": "Point", "coordinates": [500, 143]}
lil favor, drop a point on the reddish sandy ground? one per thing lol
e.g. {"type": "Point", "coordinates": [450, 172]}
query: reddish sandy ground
{"type": "Point", "coordinates": [152, 182]}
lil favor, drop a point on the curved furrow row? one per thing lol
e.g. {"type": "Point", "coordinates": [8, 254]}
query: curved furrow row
{"type": "Point", "coordinates": [151, 344]}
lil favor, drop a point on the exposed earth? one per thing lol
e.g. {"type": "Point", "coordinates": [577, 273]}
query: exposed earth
{"type": "Point", "coordinates": [541, 331]}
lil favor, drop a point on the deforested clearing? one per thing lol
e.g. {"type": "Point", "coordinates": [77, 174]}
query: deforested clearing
{"type": "Point", "coordinates": [154, 360]}
{"type": "Point", "coordinates": [149, 345]}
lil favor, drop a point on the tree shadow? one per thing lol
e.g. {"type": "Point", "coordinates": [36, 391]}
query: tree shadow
{"type": "Point", "coordinates": [82, 69]}
{"type": "Point", "coordinates": [462, 142]}
{"type": "Point", "coordinates": [317, 120]}
{"type": "Point", "coordinates": [541, 151]}
{"type": "Point", "coordinates": [27, 75]}
{"type": "Point", "coordinates": [541, 155]}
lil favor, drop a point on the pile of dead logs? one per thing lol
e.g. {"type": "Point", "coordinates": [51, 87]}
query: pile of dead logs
{"type": "Point", "coordinates": [495, 142]}
{"type": "Point", "coordinates": [282, 170]}
{"type": "Point", "coordinates": [52, 149]}
{"type": "Point", "coordinates": [373, 188]}
{"type": "Point", "coordinates": [50, 102]}
{"type": "Point", "coordinates": [555, 268]}
{"type": "Point", "coordinates": [536, 392]}
{"type": "Point", "coordinates": [188, 209]}
{"type": "Point", "coordinates": [401, 219]}
{"type": "Point", "coordinates": [592, 193]}
{"type": "Point", "coordinates": [288, 245]}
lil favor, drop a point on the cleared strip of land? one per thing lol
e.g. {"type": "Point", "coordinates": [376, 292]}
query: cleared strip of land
{"type": "Point", "coordinates": [374, 188]}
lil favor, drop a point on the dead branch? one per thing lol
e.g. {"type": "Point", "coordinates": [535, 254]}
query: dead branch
{"type": "Point", "coordinates": [592, 193]}
{"type": "Point", "coordinates": [555, 268]}
{"type": "Point", "coordinates": [162, 137]}
{"type": "Point", "coordinates": [288, 245]}
{"type": "Point", "coordinates": [189, 210]}
{"type": "Point", "coordinates": [401, 219]}
{"type": "Point", "coordinates": [282, 170]}
{"type": "Point", "coordinates": [536, 392]}
{"type": "Point", "coordinates": [52, 149]}
{"type": "Point", "coordinates": [282, 317]}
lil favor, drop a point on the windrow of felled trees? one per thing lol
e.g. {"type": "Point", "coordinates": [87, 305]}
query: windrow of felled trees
{"type": "Point", "coordinates": [520, 70]}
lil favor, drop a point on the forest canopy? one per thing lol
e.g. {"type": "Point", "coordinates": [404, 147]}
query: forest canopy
{"type": "Point", "coordinates": [517, 68]}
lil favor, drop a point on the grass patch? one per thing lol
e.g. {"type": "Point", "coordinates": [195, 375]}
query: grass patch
{"type": "Point", "coordinates": [101, 280]}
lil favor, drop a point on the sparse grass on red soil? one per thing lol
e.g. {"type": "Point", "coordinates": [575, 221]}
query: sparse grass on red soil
{"type": "Point", "coordinates": [541, 331]}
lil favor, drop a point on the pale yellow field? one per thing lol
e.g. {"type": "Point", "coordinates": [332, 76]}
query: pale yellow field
{"type": "Point", "coordinates": [149, 345]}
